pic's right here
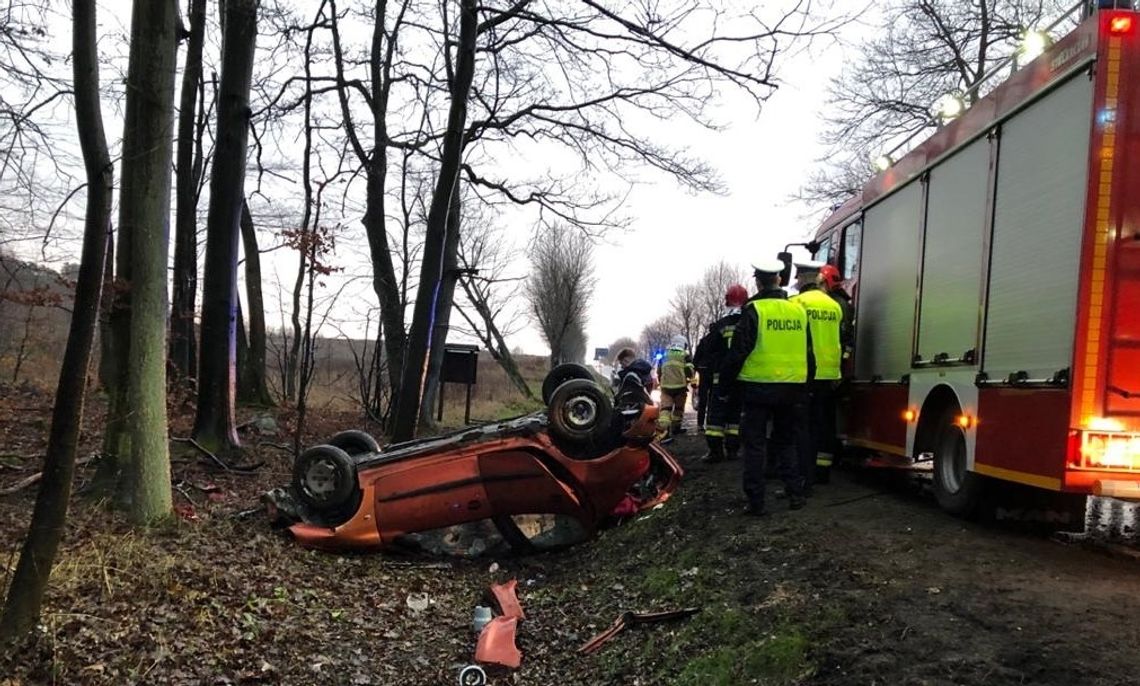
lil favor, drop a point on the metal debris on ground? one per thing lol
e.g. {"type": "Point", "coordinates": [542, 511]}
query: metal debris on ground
{"type": "Point", "coordinates": [472, 675]}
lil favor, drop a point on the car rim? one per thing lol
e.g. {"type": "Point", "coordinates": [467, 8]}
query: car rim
{"type": "Point", "coordinates": [581, 412]}
{"type": "Point", "coordinates": [952, 466]}
{"type": "Point", "coordinates": [321, 478]}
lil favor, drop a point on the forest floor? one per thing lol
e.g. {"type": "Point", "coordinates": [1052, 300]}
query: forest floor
{"type": "Point", "coordinates": [867, 585]}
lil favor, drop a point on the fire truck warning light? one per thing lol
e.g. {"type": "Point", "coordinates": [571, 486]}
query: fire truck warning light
{"type": "Point", "coordinates": [1120, 25]}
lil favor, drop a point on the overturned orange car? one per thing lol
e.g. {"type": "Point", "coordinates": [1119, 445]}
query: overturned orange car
{"type": "Point", "coordinates": [538, 481]}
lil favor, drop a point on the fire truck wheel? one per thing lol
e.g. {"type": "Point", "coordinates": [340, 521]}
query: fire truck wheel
{"type": "Point", "coordinates": [958, 490]}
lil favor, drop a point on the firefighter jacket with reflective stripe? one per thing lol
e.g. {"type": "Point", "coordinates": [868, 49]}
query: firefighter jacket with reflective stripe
{"type": "Point", "coordinates": [825, 317]}
{"type": "Point", "coordinates": [676, 370]}
{"type": "Point", "coordinates": [847, 328]}
{"type": "Point", "coordinates": [780, 351]}
{"type": "Point", "coordinates": [714, 347]}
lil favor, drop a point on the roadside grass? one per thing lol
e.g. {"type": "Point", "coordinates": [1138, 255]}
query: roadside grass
{"type": "Point", "coordinates": [751, 628]}
{"type": "Point", "coordinates": [221, 595]}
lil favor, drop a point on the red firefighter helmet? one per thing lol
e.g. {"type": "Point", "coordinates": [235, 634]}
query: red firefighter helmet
{"type": "Point", "coordinates": [829, 275]}
{"type": "Point", "coordinates": [735, 296]}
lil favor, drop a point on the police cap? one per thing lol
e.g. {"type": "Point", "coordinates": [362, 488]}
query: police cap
{"type": "Point", "coordinates": [809, 267]}
{"type": "Point", "coordinates": [767, 267]}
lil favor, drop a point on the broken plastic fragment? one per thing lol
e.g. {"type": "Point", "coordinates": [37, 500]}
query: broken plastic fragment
{"type": "Point", "coordinates": [497, 643]}
{"type": "Point", "coordinates": [508, 601]}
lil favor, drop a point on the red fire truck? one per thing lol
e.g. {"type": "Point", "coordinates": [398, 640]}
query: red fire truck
{"type": "Point", "coordinates": [996, 273]}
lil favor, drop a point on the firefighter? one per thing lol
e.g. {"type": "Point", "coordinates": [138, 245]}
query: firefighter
{"type": "Point", "coordinates": [674, 373]}
{"type": "Point", "coordinates": [832, 283]}
{"type": "Point", "coordinates": [768, 360]}
{"type": "Point", "coordinates": [702, 363]}
{"type": "Point", "coordinates": [722, 430]}
{"type": "Point", "coordinates": [825, 321]}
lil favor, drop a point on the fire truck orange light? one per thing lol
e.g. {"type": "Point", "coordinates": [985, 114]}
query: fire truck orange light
{"type": "Point", "coordinates": [1120, 25]}
{"type": "Point", "coordinates": [909, 415]}
{"type": "Point", "coordinates": [965, 421]}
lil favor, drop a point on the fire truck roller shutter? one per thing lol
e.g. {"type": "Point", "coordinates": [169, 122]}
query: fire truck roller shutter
{"type": "Point", "coordinates": [1039, 216]}
{"type": "Point", "coordinates": [953, 260]}
{"type": "Point", "coordinates": [888, 277]}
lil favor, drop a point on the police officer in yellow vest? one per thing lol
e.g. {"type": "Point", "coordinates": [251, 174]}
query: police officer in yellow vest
{"type": "Point", "coordinates": [825, 322]}
{"type": "Point", "coordinates": [769, 360]}
{"type": "Point", "coordinates": [675, 373]}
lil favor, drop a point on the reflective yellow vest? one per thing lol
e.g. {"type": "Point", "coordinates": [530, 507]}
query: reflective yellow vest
{"type": "Point", "coordinates": [824, 317]}
{"type": "Point", "coordinates": [674, 370]}
{"type": "Point", "coordinates": [780, 354]}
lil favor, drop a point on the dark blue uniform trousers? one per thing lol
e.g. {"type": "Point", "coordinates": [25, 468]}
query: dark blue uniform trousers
{"type": "Point", "coordinates": [786, 405]}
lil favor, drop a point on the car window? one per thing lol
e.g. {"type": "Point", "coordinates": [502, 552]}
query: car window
{"type": "Point", "coordinates": [852, 235]}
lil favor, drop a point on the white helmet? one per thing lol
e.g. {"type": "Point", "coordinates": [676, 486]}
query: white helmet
{"type": "Point", "coordinates": [677, 342]}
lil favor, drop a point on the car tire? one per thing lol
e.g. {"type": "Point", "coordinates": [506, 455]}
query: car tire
{"type": "Point", "coordinates": [957, 490]}
{"type": "Point", "coordinates": [580, 412]}
{"type": "Point", "coordinates": [560, 375]}
{"type": "Point", "coordinates": [324, 477]}
{"type": "Point", "coordinates": [355, 442]}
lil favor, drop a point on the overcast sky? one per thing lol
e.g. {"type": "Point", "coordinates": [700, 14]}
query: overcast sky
{"type": "Point", "coordinates": [763, 161]}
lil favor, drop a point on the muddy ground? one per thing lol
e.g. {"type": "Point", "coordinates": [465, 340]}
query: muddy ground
{"type": "Point", "coordinates": [871, 584]}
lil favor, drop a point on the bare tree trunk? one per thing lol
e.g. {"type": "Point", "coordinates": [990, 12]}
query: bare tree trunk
{"type": "Point", "coordinates": [435, 240]}
{"type": "Point", "coordinates": [214, 425]}
{"type": "Point", "coordinates": [494, 342]}
{"type": "Point", "coordinates": [22, 351]}
{"type": "Point", "coordinates": [293, 360]}
{"type": "Point", "coordinates": [443, 310]}
{"type": "Point", "coordinates": [25, 595]}
{"type": "Point", "coordinates": [293, 354]}
{"type": "Point", "coordinates": [145, 207]}
{"type": "Point", "coordinates": [307, 361]}
{"type": "Point", "coordinates": [106, 349]}
{"type": "Point", "coordinates": [384, 281]}
{"type": "Point", "coordinates": [254, 389]}
{"type": "Point", "coordinates": [242, 348]}
{"type": "Point", "coordinates": [116, 448]}
{"type": "Point", "coordinates": [183, 356]}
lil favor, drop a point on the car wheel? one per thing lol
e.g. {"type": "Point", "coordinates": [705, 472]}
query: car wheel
{"type": "Point", "coordinates": [580, 411]}
{"type": "Point", "coordinates": [324, 477]}
{"type": "Point", "coordinates": [355, 442]}
{"type": "Point", "coordinates": [560, 375]}
{"type": "Point", "coordinates": [957, 490]}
